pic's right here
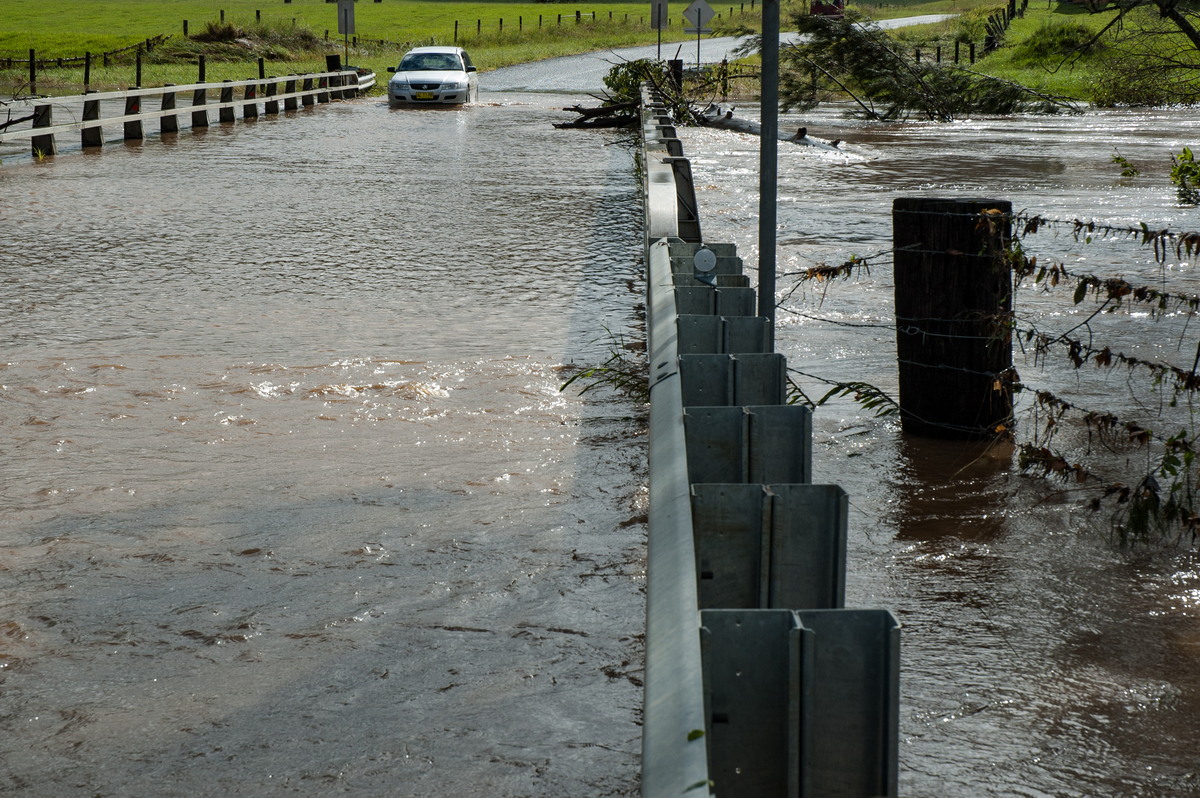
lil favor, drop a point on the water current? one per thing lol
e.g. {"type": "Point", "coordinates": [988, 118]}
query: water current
{"type": "Point", "coordinates": [1038, 659]}
{"type": "Point", "coordinates": [290, 501]}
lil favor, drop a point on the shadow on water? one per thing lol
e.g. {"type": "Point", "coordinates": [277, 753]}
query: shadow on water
{"type": "Point", "coordinates": [952, 488]}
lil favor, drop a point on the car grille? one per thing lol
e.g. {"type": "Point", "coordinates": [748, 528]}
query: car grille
{"type": "Point", "coordinates": [425, 86]}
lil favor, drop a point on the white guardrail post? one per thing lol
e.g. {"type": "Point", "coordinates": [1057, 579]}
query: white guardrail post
{"type": "Point", "coordinates": [758, 681]}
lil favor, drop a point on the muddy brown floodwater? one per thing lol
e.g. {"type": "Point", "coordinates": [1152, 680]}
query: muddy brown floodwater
{"type": "Point", "coordinates": [1037, 659]}
{"type": "Point", "coordinates": [290, 500]}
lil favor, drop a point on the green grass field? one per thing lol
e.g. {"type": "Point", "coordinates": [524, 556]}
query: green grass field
{"type": "Point", "coordinates": [497, 34]}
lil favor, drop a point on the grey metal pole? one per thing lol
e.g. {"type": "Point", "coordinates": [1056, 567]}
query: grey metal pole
{"type": "Point", "coordinates": [768, 164]}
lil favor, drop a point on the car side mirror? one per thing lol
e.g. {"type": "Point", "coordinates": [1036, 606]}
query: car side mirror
{"type": "Point", "coordinates": [391, 69]}
{"type": "Point", "coordinates": [472, 69]}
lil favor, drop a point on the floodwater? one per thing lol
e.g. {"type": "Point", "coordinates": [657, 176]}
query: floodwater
{"type": "Point", "coordinates": [1038, 658]}
{"type": "Point", "coordinates": [290, 500]}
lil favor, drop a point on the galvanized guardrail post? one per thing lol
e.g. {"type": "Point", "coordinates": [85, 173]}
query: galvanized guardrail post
{"type": "Point", "coordinates": [752, 663]}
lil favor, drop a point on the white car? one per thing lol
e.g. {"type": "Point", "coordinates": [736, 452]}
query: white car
{"type": "Point", "coordinates": [434, 75]}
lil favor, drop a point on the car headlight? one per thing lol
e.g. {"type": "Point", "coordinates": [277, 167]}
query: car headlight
{"type": "Point", "coordinates": [457, 84]}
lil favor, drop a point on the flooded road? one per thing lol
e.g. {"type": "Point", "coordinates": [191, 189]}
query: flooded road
{"type": "Point", "coordinates": [291, 500]}
{"type": "Point", "coordinates": [1038, 659]}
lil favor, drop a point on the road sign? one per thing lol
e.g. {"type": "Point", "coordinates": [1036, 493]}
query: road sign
{"type": "Point", "coordinates": [699, 13]}
{"type": "Point", "coordinates": [346, 17]}
{"type": "Point", "coordinates": [658, 14]}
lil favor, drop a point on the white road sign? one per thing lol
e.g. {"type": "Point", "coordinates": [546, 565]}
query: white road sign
{"type": "Point", "coordinates": [699, 13]}
{"type": "Point", "coordinates": [658, 14]}
{"type": "Point", "coordinates": [346, 17]}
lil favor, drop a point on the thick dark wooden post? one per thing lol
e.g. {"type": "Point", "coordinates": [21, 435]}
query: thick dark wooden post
{"type": "Point", "coordinates": [32, 72]}
{"type": "Point", "coordinates": [271, 106]}
{"type": "Point", "coordinates": [133, 128]}
{"type": "Point", "coordinates": [250, 109]}
{"type": "Point", "coordinates": [87, 72]}
{"type": "Point", "coordinates": [225, 114]}
{"type": "Point", "coordinates": [91, 136]}
{"type": "Point", "coordinates": [199, 118]}
{"type": "Point", "coordinates": [168, 124]}
{"type": "Point", "coordinates": [43, 145]}
{"type": "Point", "coordinates": [289, 88]}
{"type": "Point", "coordinates": [307, 85]}
{"type": "Point", "coordinates": [953, 316]}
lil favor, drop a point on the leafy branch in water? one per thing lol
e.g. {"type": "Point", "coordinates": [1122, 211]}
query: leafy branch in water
{"type": "Point", "coordinates": [1185, 174]}
{"type": "Point", "coordinates": [864, 394]}
{"type": "Point", "coordinates": [620, 371]}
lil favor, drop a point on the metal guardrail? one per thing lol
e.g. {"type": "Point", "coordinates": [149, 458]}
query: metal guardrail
{"type": "Point", "coordinates": [298, 90]}
{"type": "Point", "coordinates": [758, 681]}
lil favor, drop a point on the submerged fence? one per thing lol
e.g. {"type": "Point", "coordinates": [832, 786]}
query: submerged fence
{"type": "Point", "coordinates": [758, 681]}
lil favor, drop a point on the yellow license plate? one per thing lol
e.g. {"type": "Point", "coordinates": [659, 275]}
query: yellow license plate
{"type": "Point", "coordinates": [424, 95]}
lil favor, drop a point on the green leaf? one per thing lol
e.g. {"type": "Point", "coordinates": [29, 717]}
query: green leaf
{"type": "Point", "coordinates": [695, 734]}
{"type": "Point", "coordinates": [1080, 291]}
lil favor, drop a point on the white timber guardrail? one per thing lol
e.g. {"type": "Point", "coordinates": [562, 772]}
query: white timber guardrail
{"type": "Point", "coordinates": [758, 681]}
{"type": "Point", "coordinates": [298, 91]}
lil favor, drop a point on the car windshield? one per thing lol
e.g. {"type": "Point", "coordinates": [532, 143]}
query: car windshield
{"type": "Point", "coordinates": [421, 62]}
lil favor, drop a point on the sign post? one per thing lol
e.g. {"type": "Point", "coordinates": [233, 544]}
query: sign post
{"type": "Point", "coordinates": [699, 13]}
{"type": "Point", "coordinates": [346, 25]}
{"type": "Point", "coordinates": [658, 21]}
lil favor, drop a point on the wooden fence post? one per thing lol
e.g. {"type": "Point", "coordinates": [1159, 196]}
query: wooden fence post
{"type": "Point", "coordinates": [168, 124]}
{"type": "Point", "coordinates": [250, 109]}
{"type": "Point", "coordinates": [333, 63]}
{"type": "Point", "coordinates": [199, 118]}
{"type": "Point", "coordinates": [138, 68]}
{"type": "Point", "coordinates": [226, 113]}
{"type": "Point", "coordinates": [87, 71]}
{"type": "Point", "coordinates": [289, 87]}
{"type": "Point", "coordinates": [32, 72]}
{"type": "Point", "coordinates": [271, 106]}
{"type": "Point", "coordinates": [185, 30]}
{"type": "Point", "coordinates": [953, 316]}
{"type": "Point", "coordinates": [133, 128]}
{"type": "Point", "coordinates": [43, 146]}
{"type": "Point", "coordinates": [91, 136]}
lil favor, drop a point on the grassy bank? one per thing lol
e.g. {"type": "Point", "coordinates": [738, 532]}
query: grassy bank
{"type": "Point", "coordinates": [1037, 52]}
{"type": "Point", "coordinates": [292, 36]}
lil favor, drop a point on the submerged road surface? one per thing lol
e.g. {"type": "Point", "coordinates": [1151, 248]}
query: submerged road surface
{"type": "Point", "coordinates": [290, 500]}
